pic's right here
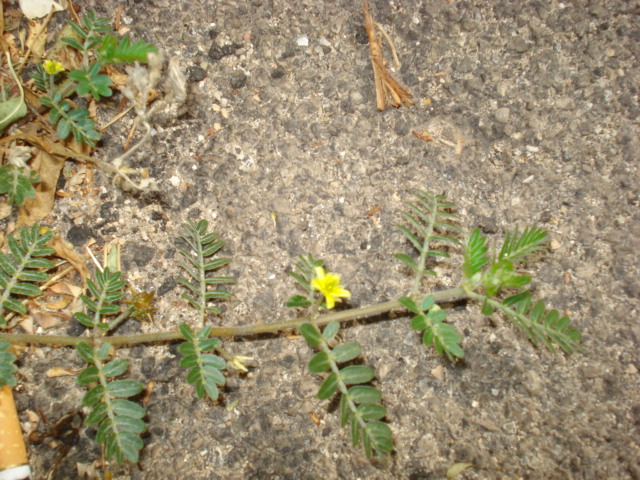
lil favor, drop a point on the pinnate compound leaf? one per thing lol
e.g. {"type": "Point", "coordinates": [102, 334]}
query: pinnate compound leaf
{"type": "Point", "coordinates": [517, 247]}
{"type": "Point", "coordinates": [113, 51]}
{"type": "Point", "coordinates": [442, 336]}
{"type": "Point", "coordinates": [106, 290]}
{"type": "Point", "coordinates": [474, 254]}
{"type": "Point", "coordinates": [7, 365]}
{"type": "Point", "coordinates": [304, 273]}
{"type": "Point", "coordinates": [16, 184]}
{"type": "Point", "coordinates": [204, 368]}
{"type": "Point", "coordinates": [429, 224]}
{"type": "Point", "coordinates": [23, 266]}
{"type": "Point", "coordinates": [199, 267]}
{"type": "Point", "coordinates": [358, 404]}
{"type": "Point", "coordinates": [542, 326]}
{"type": "Point", "coordinates": [91, 81]}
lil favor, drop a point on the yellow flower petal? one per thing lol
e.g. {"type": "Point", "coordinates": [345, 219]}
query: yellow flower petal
{"type": "Point", "coordinates": [329, 285]}
{"type": "Point", "coordinates": [52, 67]}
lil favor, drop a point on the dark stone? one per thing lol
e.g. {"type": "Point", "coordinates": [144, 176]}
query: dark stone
{"type": "Point", "coordinates": [197, 74]}
{"type": "Point", "coordinates": [108, 212]}
{"type": "Point", "coordinates": [78, 235]}
{"type": "Point", "coordinates": [147, 366]}
{"type": "Point", "coordinates": [190, 197]}
{"type": "Point", "coordinates": [138, 253]}
{"type": "Point", "coordinates": [216, 52]}
{"type": "Point", "coordinates": [289, 52]}
{"type": "Point", "coordinates": [238, 80]}
{"type": "Point", "coordinates": [278, 72]}
{"type": "Point", "coordinates": [168, 285]}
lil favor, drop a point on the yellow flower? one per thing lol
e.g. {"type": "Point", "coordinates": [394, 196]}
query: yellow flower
{"type": "Point", "coordinates": [329, 285]}
{"type": "Point", "coordinates": [52, 67]}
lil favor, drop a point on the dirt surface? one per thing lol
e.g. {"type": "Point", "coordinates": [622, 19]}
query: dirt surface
{"type": "Point", "coordinates": [533, 109]}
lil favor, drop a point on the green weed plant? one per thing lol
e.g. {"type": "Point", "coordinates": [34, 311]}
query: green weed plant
{"type": "Point", "coordinates": [493, 280]}
{"type": "Point", "coordinates": [60, 92]}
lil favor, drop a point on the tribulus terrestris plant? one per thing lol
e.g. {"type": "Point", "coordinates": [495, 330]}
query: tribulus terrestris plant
{"type": "Point", "coordinates": [63, 90]}
{"type": "Point", "coordinates": [98, 49]}
{"type": "Point", "coordinates": [495, 280]}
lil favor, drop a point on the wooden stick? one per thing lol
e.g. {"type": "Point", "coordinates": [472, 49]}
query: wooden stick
{"type": "Point", "coordinates": [14, 464]}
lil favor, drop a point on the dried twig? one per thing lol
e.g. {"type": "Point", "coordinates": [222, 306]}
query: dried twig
{"type": "Point", "coordinates": [389, 91]}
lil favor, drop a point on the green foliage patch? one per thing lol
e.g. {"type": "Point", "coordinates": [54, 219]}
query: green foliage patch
{"type": "Point", "coordinates": [497, 281]}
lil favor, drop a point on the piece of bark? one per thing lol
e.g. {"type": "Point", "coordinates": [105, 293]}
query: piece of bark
{"type": "Point", "coordinates": [389, 91]}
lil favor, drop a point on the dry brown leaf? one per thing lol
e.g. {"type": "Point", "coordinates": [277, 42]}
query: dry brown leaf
{"type": "Point", "coordinates": [425, 135]}
{"type": "Point", "coordinates": [5, 210]}
{"type": "Point", "coordinates": [62, 372]}
{"type": "Point", "coordinates": [27, 325]}
{"type": "Point", "coordinates": [9, 43]}
{"type": "Point", "coordinates": [64, 288]}
{"type": "Point", "coordinates": [147, 392]}
{"type": "Point", "coordinates": [117, 77]}
{"type": "Point", "coordinates": [32, 416]}
{"type": "Point", "coordinates": [93, 108]}
{"type": "Point", "coordinates": [89, 471]}
{"type": "Point", "coordinates": [62, 302]}
{"type": "Point", "coordinates": [457, 468]}
{"type": "Point", "coordinates": [315, 418]}
{"type": "Point", "coordinates": [389, 91]}
{"type": "Point", "coordinates": [18, 348]}
{"type": "Point", "coordinates": [116, 22]}
{"type": "Point", "coordinates": [48, 168]}
{"type": "Point", "coordinates": [65, 250]}
{"type": "Point", "coordinates": [77, 178]}
{"type": "Point", "coordinates": [11, 19]}
{"type": "Point", "coordinates": [46, 320]}
{"type": "Point", "coordinates": [36, 39]}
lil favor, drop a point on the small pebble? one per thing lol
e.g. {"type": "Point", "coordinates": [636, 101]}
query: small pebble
{"type": "Point", "coordinates": [196, 74]}
{"type": "Point", "coordinates": [238, 80]}
{"type": "Point", "coordinates": [278, 72]}
{"type": "Point", "coordinates": [502, 115]}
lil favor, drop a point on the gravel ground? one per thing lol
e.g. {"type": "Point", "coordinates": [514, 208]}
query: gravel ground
{"type": "Point", "coordinates": [533, 109]}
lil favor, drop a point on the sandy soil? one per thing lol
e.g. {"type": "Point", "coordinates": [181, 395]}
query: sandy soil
{"type": "Point", "coordinates": [533, 108]}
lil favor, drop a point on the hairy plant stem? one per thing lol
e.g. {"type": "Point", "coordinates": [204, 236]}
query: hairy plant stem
{"type": "Point", "coordinates": [241, 331]}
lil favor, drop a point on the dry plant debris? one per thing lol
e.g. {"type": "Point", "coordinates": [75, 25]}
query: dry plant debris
{"type": "Point", "coordinates": [389, 91]}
